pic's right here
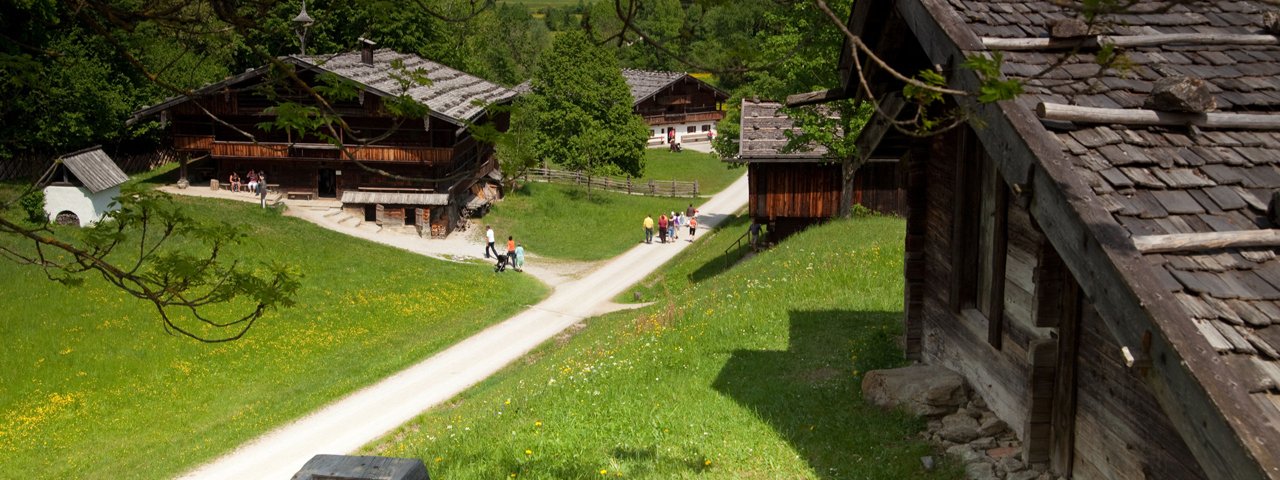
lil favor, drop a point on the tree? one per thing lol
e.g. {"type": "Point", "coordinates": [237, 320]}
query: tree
{"type": "Point", "coordinates": [581, 109]}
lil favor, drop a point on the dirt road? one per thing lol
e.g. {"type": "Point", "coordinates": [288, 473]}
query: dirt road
{"type": "Point", "coordinates": [349, 423]}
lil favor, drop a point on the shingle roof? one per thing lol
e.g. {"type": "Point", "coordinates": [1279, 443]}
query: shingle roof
{"type": "Point", "coordinates": [1154, 180]}
{"type": "Point", "coordinates": [94, 169]}
{"type": "Point", "coordinates": [645, 83]}
{"type": "Point", "coordinates": [452, 95]}
{"type": "Point", "coordinates": [395, 198]}
{"type": "Point", "coordinates": [763, 135]}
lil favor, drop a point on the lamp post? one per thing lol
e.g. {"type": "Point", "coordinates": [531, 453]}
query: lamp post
{"type": "Point", "coordinates": [302, 23]}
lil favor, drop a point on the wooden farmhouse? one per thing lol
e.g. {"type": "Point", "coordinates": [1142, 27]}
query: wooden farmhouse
{"type": "Point", "coordinates": [392, 170]}
{"type": "Point", "coordinates": [791, 189]}
{"type": "Point", "coordinates": [81, 187]}
{"type": "Point", "coordinates": [675, 103]}
{"type": "Point", "coordinates": [1096, 259]}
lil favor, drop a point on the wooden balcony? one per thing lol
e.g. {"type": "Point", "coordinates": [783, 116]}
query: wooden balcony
{"type": "Point", "coordinates": [192, 142]}
{"type": "Point", "coordinates": [398, 154]}
{"type": "Point", "coordinates": [712, 116]}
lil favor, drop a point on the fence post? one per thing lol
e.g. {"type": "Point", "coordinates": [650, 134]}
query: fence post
{"type": "Point", "coordinates": [628, 184]}
{"type": "Point", "coordinates": [653, 188]}
{"type": "Point", "coordinates": [673, 189]}
{"type": "Point", "coordinates": [695, 188]}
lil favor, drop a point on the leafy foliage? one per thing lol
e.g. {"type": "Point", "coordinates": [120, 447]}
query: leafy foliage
{"type": "Point", "coordinates": [33, 205]}
{"type": "Point", "coordinates": [993, 88]}
{"type": "Point", "coordinates": [582, 110]}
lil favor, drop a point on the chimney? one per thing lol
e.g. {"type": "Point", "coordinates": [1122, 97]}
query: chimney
{"type": "Point", "coordinates": [366, 51]}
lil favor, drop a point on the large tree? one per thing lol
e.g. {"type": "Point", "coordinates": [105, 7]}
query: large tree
{"type": "Point", "coordinates": [581, 110]}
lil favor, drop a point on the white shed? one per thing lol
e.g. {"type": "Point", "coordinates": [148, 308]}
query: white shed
{"type": "Point", "coordinates": [82, 187]}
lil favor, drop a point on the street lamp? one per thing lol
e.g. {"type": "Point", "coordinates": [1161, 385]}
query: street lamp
{"type": "Point", "coordinates": [303, 22]}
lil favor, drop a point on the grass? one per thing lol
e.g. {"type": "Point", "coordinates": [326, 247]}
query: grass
{"type": "Point", "coordinates": [562, 221]}
{"type": "Point", "coordinates": [754, 374]}
{"type": "Point", "coordinates": [712, 174]}
{"type": "Point", "coordinates": [94, 388]}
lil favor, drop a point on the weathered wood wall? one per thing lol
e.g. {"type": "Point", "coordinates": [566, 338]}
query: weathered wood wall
{"type": "Point", "coordinates": [1120, 431]}
{"type": "Point", "coordinates": [795, 190]}
{"type": "Point", "coordinates": [1114, 429]}
{"type": "Point", "coordinates": [879, 186]}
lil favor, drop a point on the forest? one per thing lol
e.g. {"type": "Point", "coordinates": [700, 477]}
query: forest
{"type": "Point", "coordinates": [75, 71]}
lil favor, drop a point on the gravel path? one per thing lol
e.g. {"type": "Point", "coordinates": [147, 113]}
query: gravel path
{"type": "Point", "coordinates": [348, 424]}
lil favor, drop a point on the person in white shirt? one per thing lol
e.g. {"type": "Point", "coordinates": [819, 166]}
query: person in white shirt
{"type": "Point", "coordinates": [488, 235]}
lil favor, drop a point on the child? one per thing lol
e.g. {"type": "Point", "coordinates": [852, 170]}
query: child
{"type": "Point", "coordinates": [693, 227]}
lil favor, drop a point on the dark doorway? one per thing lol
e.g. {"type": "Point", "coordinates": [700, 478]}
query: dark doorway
{"type": "Point", "coordinates": [328, 184]}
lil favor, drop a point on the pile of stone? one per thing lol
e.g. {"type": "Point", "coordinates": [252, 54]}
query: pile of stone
{"type": "Point", "coordinates": [959, 421]}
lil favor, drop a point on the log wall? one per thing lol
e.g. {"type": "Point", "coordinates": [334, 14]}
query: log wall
{"type": "Point", "coordinates": [879, 186]}
{"type": "Point", "coordinates": [1121, 432]}
{"type": "Point", "coordinates": [795, 190]}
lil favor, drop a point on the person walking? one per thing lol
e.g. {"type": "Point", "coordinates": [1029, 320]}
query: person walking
{"type": "Point", "coordinates": [262, 189]}
{"type": "Point", "coordinates": [690, 212]}
{"type": "Point", "coordinates": [693, 228]}
{"type": "Point", "coordinates": [511, 249]}
{"type": "Point", "coordinates": [519, 263]}
{"type": "Point", "coordinates": [675, 226]}
{"type": "Point", "coordinates": [662, 228]}
{"type": "Point", "coordinates": [755, 235]}
{"type": "Point", "coordinates": [488, 235]}
{"type": "Point", "coordinates": [648, 229]}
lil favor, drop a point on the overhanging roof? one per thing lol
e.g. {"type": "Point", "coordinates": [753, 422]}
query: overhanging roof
{"type": "Point", "coordinates": [94, 169]}
{"type": "Point", "coordinates": [395, 198]}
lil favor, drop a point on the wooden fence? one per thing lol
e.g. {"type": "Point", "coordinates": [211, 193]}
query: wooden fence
{"type": "Point", "coordinates": [653, 188]}
{"type": "Point", "coordinates": [28, 167]}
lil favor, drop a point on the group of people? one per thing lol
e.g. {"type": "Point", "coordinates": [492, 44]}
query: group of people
{"type": "Point", "coordinates": [250, 183]}
{"type": "Point", "coordinates": [514, 255]}
{"type": "Point", "coordinates": [669, 226]}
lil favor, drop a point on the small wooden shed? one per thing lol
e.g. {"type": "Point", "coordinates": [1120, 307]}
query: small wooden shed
{"type": "Point", "coordinates": [1105, 275]}
{"type": "Point", "coordinates": [81, 187]}
{"type": "Point", "coordinates": [791, 190]}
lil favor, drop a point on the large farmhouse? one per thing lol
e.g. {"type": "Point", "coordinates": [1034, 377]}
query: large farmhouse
{"type": "Point", "coordinates": [394, 169]}
{"type": "Point", "coordinates": [1096, 259]}
{"type": "Point", "coordinates": [675, 104]}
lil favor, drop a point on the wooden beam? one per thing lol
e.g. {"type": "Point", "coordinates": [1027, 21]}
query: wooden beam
{"type": "Point", "coordinates": [1127, 41]}
{"type": "Point", "coordinates": [1209, 415]}
{"type": "Point", "coordinates": [1137, 116]}
{"type": "Point", "coordinates": [813, 98]}
{"type": "Point", "coordinates": [1195, 242]}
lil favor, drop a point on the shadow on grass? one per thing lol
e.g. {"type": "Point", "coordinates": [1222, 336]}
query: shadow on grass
{"type": "Point", "coordinates": [733, 227]}
{"type": "Point", "coordinates": [810, 394]}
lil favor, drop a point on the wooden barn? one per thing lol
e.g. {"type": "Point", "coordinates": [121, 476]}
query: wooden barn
{"type": "Point", "coordinates": [413, 171]}
{"type": "Point", "coordinates": [791, 190]}
{"type": "Point", "coordinates": [1096, 260]}
{"type": "Point", "coordinates": [675, 103]}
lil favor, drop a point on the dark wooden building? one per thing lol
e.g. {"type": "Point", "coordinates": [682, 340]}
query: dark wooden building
{"type": "Point", "coordinates": [439, 163]}
{"type": "Point", "coordinates": [1107, 280]}
{"type": "Point", "coordinates": [675, 102]}
{"type": "Point", "coordinates": [791, 190]}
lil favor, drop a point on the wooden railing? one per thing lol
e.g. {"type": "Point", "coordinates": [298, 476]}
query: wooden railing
{"type": "Point", "coordinates": [653, 188]}
{"type": "Point", "coordinates": [713, 116]}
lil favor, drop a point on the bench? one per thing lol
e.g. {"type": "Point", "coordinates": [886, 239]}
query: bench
{"type": "Point", "coordinates": [300, 195]}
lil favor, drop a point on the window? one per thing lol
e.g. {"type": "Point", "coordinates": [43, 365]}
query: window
{"type": "Point", "coordinates": [978, 241]}
{"type": "Point", "coordinates": [692, 129]}
{"type": "Point", "coordinates": [706, 128]}
{"type": "Point", "coordinates": [653, 133]}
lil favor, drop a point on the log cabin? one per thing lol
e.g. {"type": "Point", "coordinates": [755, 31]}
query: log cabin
{"type": "Point", "coordinates": [393, 170]}
{"type": "Point", "coordinates": [1100, 266]}
{"type": "Point", "coordinates": [676, 104]}
{"type": "Point", "coordinates": [792, 189]}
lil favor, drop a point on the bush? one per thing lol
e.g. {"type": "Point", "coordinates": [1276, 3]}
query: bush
{"type": "Point", "coordinates": [33, 204]}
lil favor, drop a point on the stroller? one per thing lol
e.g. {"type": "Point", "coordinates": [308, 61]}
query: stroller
{"type": "Point", "coordinates": [501, 266]}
